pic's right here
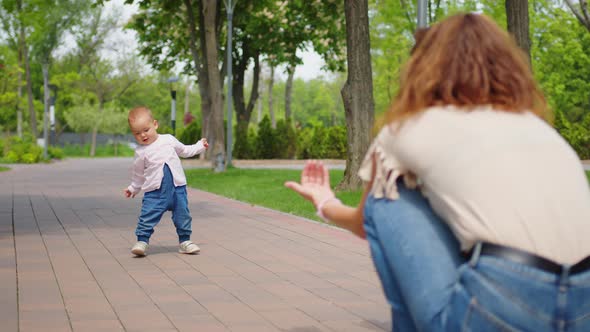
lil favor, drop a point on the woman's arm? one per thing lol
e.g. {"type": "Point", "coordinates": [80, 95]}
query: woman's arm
{"type": "Point", "coordinates": [315, 187]}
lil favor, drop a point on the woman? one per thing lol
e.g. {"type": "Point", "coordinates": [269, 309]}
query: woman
{"type": "Point", "coordinates": [496, 237]}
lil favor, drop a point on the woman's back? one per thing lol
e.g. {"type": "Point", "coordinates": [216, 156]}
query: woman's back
{"type": "Point", "coordinates": [505, 178]}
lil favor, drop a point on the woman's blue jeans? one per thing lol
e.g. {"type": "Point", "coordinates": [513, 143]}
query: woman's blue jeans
{"type": "Point", "coordinates": [432, 287]}
{"type": "Point", "coordinates": [156, 202]}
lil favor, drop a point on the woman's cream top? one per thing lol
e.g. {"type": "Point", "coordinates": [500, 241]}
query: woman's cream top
{"type": "Point", "coordinates": [493, 176]}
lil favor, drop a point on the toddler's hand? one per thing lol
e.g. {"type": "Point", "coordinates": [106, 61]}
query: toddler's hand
{"type": "Point", "coordinates": [205, 143]}
{"type": "Point", "coordinates": [128, 193]}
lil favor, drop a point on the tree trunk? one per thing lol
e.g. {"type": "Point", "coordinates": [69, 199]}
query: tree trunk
{"type": "Point", "coordinates": [259, 118]}
{"type": "Point", "coordinates": [45, 69]}
{"type": "Point", "coordinates": [517, 18]}
{"type": "Point", "coordinates": [357, 93]}
{"type": "Point", "coordinates": [187, 109]}
{"type": "Point", "coordinates": [19, 89]}
{"type": "Point", "coordinates": [243, 110]}
{"type": "Point", "coordinates": [32, 115]}
{"type": "Point", "coordinates": [215, 123]}
{"type": "Point", "coordinates": [271, 83]}
{"type": "Point", "coordinates": [95, 127]}
{"type": "Point", "coordinates": [289, 91]}
{"type": "Point", "coordinates": [200, 64]}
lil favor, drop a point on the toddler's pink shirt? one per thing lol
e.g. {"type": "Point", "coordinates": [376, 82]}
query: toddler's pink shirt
{"type": "Point", "coordinates": [149, 160]}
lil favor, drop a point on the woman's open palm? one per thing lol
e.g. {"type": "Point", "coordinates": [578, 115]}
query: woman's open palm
{"type": "Point", "coordinates": [315, 183]}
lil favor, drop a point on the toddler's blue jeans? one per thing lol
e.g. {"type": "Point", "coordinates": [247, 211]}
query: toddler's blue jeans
{"type": "Point", "coordinates": [432, 287]}
{"type": "Point", "coordinates": [156, 202]}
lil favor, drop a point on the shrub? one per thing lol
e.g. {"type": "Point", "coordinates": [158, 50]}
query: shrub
{"type": "Point", "coordinates": [244, 147]}
{"type": "Point", "coordinates": [266, 140]}
{"type": "Point", "coordinates": [55, 152]}
{"type": "Point", "coordinates": [336, 143]}
{"type": "Point", "coordinates": [304, 138]}
{"type": "Point", "coordinates": [191, 133]}
{"type": "Point", "coordinates": [23, 150]}
{"type": "Point", "coordinates": [286, 140]}
{"type": "Point", "coordinates": [318, 146]}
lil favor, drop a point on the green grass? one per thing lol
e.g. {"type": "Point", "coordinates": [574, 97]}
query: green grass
{"type": "Point", "coordinates": [3, 169]}
{"type": "Point", "coordinates": [264, 188]}
{"type": "Point", "coordinates": [101, 151]}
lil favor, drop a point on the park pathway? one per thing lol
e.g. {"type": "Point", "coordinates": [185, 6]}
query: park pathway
{"type": "Point", "coordinates": [65, 235]}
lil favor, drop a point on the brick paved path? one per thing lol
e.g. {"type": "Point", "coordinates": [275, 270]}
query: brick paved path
{"type": "Point", "coordinates": [65, 265]}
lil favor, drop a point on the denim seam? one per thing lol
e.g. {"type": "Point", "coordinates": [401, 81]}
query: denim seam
{"type": "Point", "coordinates": [467, 317]}
{"type": "Point", "coordinates": [579, 319]}
{"type": "Point", "coordinates": [490, 284]}
{"type": "Point", "coordinates": [490, 317]}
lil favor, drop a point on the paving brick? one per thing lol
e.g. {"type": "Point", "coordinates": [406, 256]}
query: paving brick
{"type": "Point", "coordinates": [65, 237]}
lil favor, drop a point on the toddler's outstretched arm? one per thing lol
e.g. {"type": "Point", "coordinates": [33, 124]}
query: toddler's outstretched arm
{"type": "Point", "coordinates": [187, 151]}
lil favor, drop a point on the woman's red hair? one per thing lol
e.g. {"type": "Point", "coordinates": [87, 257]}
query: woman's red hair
{"type": "Point", "coordinates": [467, 60]}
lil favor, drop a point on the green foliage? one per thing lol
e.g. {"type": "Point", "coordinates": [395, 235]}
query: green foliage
{"type": "Point", "coordinates": [286, 140]}
{"type": "Point", "coordinates": [304, 143]}
{"type": "Point", "coordinates": [22, 150]}
{"type": "Point", "coordinates": [577, 134]}
{"type": "Point", "coordinates": [244, 144]}
{"type": "Point", "coordinates": [82, 117]}
{"type": "Point", "coordinates": [190, 134]}
{"type": "Point", "coordinates": [113, 120]}
{"type": "Point", "coordinates": [336, 143]}
{"type": "Point", "coordinates": [55, 152]}
{"type": "Point", "coordinates": [561, 60]}
{"type": "Point", "coordinates": [266, 141]}
{"type": "Point", "coordinates": [319, 142]}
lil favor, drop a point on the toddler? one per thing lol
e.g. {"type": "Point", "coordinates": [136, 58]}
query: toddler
{"type": "Point", "coordinates": [158, 172]}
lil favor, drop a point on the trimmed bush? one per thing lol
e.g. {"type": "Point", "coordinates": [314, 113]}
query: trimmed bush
{"type": "Point", "coordinates": [286, 140]}
{"type": "Point", "coordinates": [22, 150]}
{"type": "Point", "coordinates": [190, 134]}
{"type": "Point", "coordinates": [266, 142]}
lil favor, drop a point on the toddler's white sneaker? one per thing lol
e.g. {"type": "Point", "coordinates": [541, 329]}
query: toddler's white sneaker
{"type": "Point", "coordinates": [188, 247]}
{"type": "Point", "coordinates": [139, 248]}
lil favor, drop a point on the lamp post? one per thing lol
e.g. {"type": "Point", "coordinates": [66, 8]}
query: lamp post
{"type": "Point", "coordinates": [229, 7]}
{"type": "Point", "coordinates": [421, 14]}
{"type": "Point", "coordinates": [52, 98]}
{"type": "Point", "coordinates": [171, 81]}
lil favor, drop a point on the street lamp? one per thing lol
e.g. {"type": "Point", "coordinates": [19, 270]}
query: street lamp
{"type": "Point", "coordinates": [52, 98]}
{"type": "Point", "coordinates": [171, 81]}
{"type": "Point", "coordinates": [229, 7]}
{"type": "Point", "coordinates": [421, 14]}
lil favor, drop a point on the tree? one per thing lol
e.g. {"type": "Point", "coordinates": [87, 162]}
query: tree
{"type": "Point", "coordinates": [16, 20]}
{"type": "Point", "coordinates": [357, 93]}
{"type": "Point", "coordinates": [176, 30]}
{"type": "Point", "coordinates": [289, 91]}
{"type": "Point", "coordinates": [278, 30]}
{"type": "Point", "coordinates": [113, 121]}
{"type": "Point", "coordinates": [581, 12]}
{"type": "Point", "coordinates": [215, 122]}
{"type": "Point", "coordinates": [517, 15]}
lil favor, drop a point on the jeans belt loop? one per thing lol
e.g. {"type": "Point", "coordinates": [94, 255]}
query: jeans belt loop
{"type": "Point", "coordinates": [475, 253]}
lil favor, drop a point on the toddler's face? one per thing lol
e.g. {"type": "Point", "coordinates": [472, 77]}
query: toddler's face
{"type": "Point", "coordinates": [144, 129]}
